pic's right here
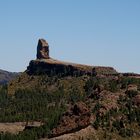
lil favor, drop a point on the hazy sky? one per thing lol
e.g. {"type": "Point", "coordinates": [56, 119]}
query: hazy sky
{"type": "Point", "coordinates": [95, 32]}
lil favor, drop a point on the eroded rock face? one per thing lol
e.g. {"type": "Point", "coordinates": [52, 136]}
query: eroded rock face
{"type": "Point", "coordinates": [44, 64]}
{"type": "Point", "coordinates": [76, 118]}
{"type": "Point", "coordinates": [42, 49]}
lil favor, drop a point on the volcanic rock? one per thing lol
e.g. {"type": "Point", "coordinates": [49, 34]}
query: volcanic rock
{"type": "Point", "coordinates": [76, 118]}
{"type": "Point", "coordinates": [44, 64]}
{"type": "Point", "coordinates": [42, 49]}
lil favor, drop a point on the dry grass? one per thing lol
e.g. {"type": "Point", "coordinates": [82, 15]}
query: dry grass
{"type": "Point", "coordinates": [16, 127]}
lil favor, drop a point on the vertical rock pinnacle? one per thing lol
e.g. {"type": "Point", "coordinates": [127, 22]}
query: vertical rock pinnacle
{"type": "Point", "coordinates": [42, 49]}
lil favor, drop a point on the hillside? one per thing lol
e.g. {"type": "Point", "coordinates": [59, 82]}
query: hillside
{"type": "Point", "coordinates": [70, 101]}
{"type": "Point", "coordinates": [6, 76]}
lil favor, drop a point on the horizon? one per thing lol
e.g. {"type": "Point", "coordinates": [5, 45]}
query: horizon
{"type": "Point", "coordinates": [103, 33]}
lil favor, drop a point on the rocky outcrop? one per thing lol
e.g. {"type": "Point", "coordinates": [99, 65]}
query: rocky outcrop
{"type": "Point", "coordinates": [46, 65]}
{"type": "Point", "coordinates": [42, 49]}
{"type": "Point", "coordinates": [54, 67]}
{"type": "Point", "coordinates": [51, 68]}
{"type": "Point", "coordinates": [76, 118]}
{"type": "Point", "coordinates": [88, 133]}
{"type": "Point", "coordinates": [134, 75]}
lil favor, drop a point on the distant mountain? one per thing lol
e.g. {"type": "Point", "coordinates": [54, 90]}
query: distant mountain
{"type": "Point", "coordinates": [6, 76]}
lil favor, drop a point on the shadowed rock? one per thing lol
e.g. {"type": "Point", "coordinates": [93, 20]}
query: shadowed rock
{"type": "Point", "coordinates": [42, 49]}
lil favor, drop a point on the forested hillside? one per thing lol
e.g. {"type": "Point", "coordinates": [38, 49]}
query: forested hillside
{"type": "Point", "coordinates": [110, 105]}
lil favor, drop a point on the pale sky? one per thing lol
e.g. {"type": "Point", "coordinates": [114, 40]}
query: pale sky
{"type": "Point", "coordinates": [94, 32]}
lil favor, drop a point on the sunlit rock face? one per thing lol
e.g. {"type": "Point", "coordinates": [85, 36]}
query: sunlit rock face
{"type": "Point", "coordinates": [42, 49]}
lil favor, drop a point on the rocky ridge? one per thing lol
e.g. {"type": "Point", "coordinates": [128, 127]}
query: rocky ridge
{"type": "Point", "coordinates": [44, 64]}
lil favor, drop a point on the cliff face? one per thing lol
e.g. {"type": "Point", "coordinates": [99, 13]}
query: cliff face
{"type": "Point", "coordinates": [55, 67]}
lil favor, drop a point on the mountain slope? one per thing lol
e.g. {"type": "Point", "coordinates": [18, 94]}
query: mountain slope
{"type": "Point", "coordinates": [69, 99]}
{"type": "Point", "coordinates": [6, 76]}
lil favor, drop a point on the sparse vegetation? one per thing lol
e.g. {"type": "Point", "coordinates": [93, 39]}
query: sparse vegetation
{"type": "Point", "coordinates": [112, 102]}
